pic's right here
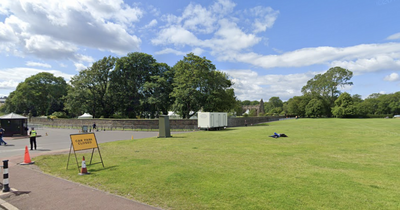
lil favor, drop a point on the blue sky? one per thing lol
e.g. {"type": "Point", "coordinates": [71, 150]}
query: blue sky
{"type": "Point", "coordinates": [268, 48]}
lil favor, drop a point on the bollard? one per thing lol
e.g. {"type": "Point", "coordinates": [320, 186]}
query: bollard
{"type": "Point", "coordinates": [6, 187]}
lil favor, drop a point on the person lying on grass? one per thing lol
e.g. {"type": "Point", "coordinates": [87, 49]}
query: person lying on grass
{"type": "Point", "coordinates": [278, 135]}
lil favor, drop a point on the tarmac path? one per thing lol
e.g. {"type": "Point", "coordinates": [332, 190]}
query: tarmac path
{"type": "Point", "coordinates": [31, 189]}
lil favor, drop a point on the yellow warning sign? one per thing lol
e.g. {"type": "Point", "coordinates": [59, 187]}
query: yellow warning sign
{"type": "Point", "coordinates": [83, 141]}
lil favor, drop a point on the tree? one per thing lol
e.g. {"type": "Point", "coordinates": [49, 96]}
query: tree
{"type": "Point", "coordinates": [157, 91]}
{"type": "Point", "coordinates": [89, 92]}
{"type": "Point", "coordinates": [344, 106]}
{"type": "Point", "coordinates": [357, 99]}
{"type": "Point", "coordinates": [326, 85]}
{"type": "Point", "coordinates": [293, 105]}
{"type": "Point", "coordinates": [274, 105]}
{"type": "Point", "coordinates": [198, 85]}
{"type": "Point", "coordinates": [127, 83]}
{"type": "Point", "coordinates": [40, 94]}
{"type": "Point", "coordinates": [315, 108]}
{"type": "Point", "coordinates": [395, 103]}
{"type": "Point", "coordinates": [246, 102]}
{"type": "Point", "coordinates": [219, 97]}
{"type": "Point", "coordinates": [389, 103]}
{"type": "Point", "coordinates": [297, 105]}
{"type": "Point", "coordinates": [237, 109]}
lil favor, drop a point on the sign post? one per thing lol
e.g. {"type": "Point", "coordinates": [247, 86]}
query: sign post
{"type": "Point", "coordinates": [83, 142]}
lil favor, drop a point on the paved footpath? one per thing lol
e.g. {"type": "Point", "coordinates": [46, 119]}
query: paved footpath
{"type": "Point", "coordinates": [31, 189]}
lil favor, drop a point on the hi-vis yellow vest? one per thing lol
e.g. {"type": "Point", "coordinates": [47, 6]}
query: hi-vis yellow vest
{"type": "Point", "coordinates": [33, 133]}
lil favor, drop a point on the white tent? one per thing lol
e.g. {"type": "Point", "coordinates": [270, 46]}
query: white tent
{"type": "Point", "coordinates": [86, 116]}
{"type": "Point", "coordinates": [13, 116]}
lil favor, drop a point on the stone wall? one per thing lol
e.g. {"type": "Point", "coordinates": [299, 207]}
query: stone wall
{"type": "Point", "coordinates": [240, 121]}
{"type": "Point", "coordinates": [110, 124]}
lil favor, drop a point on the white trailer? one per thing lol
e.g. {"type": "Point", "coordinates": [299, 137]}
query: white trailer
{"type": "Point", "coordinates": [212, 120]}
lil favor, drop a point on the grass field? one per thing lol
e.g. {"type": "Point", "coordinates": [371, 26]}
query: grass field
{"type": "Point", "coordinates": [323, 164]}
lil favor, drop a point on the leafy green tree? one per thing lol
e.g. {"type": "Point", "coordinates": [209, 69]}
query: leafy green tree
{"type": "Point", "coordinates": [158, 89]}
{"type": "Point", "coordinates": [293, 105]}
{"type": "Point", "coordinates": [252, 113]}
{"type": "Point", "coordinates": [246, 102]}
{"type": "Point", "coordinates": [218, 95]}
{"type": "Point", "coordinates": [389, 103]}
{"type": "Point", "coordinates": [40, 94]}
{"type": "Point", "coordinates": [315, 108]}
{"type": "Point", "coordinates": [285, 108]}
{"type": "Point", "coordinates": [370, 104]}
{"type": "Point", "coordinates": [198, 85]}
{"type": "Point", "coordinates": [89, 91]}
{"type": "Point", "coordinates": [326, 85]}
{"type": "Point", "coordinates": [127, 81]}
{"type": "Point", "coordinates": [297, 105]}
{"type": "Point", "coordinates": [395, 103]}
{"type": "Point", "coordinates": [237, 109]}
{"type": "Point", "coordinates": [274, 105]}
{"type": "Point", "coordinates": [344, 106]}
{"type": "Point", "coordinates": [255, 102]}
{"type": "Point", "coordinates": [357, 99]}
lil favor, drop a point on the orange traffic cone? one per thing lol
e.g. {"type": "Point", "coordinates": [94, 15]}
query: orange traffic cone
{"type": "Point", "coordinates": [27, 158]}
{"type": "Point", "coordinates": [84, 169]}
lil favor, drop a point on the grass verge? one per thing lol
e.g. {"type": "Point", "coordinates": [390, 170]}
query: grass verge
{"type": "Point", "coordinates": [323, 164]}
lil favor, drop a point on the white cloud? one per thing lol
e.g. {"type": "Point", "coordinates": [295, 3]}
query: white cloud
{"type": "Point", "coordinates": [11, 77]}
{"type": "Point", "coordinates": [265, 18]}
{"type": "Point", "coordinates": [215, 27]}
{"type": "Point", "coordinates": [392, 77]}
{"type": "Point", "coordinates": [250, 85]}
{"type": "Point", "coordinates": [227, 40]}
{"type": "Point", "coordinates": [84, 58]}
{"type": "Point", "coordinates": [176, 35]}
{"type": "Point", "coordinates": [393, 37]}
{"type": "Point", "coordinates": [223, 7]}
{"type": "Point", "coordinates": [197, 51]}
{"type": "Point", "coordinates": [374, 63]}
{"type": "Point", "coordinates": [69, 25]}
{"type": "Point", "coordinates": [47, 48]}
{"type": "Point", "coordinates": [8, 84]}
{"type": "Point", "coordinates": [230, 37]}
{"type": "Point", "coordinates": [359, 58]}
{"type": "Point", "coordinates": [31, 63]}
{"type": "Point", "coordinates": [151, 24]}
{"type": "Point", "coordinates": [79, 66]}
{"type": "Point", "coordinates": [198, 19]}
{"type": "Point", "coordinates": [170, 51]}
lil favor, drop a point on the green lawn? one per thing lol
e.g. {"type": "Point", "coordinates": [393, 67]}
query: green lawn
{"type": "Point", "coordinates": [323, 164]}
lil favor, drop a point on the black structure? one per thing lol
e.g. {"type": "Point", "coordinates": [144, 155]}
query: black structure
{"type": "Point", "coordinates": [14, 124]}
{"type": "Point", "coordinates": [6, 187]}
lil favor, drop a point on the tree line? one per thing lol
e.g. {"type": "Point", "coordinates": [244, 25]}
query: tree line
{"type": "Point", "coordinates": [322, 98]}
{"type": "Point", "coordinates": [137, 85]}
{"type": "Point", "coordinates": [132, 86]}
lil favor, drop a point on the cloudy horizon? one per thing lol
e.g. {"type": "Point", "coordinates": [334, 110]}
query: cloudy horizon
{"type": "Point", "coordinates": [267, 48]}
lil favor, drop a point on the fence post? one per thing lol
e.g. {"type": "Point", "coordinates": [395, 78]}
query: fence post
{"type": "Point", "coordinates": [6, 187]}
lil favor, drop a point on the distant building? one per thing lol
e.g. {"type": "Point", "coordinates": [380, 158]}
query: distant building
{"type": "Point", "coordinates": [2, 101]}
{"type": "Point", "coordinates": [259, 108]}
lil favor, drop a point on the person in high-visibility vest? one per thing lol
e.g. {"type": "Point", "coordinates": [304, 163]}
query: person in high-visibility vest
{"type": "Point", "coordinates": [33, 135]}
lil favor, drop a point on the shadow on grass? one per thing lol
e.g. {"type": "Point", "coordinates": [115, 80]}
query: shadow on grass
{"type": "Point", "coordinates": [261, 124]}
{"type": "Point", "coordinates": [102, 169]}
{"type": "Point", "coordinates": [223, 130]}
